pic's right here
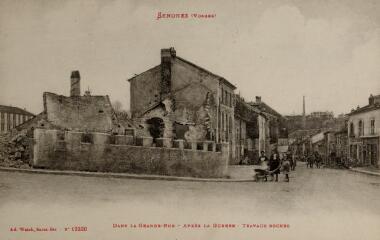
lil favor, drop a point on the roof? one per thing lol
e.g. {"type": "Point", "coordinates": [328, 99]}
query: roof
{"type": "Point", "coordinates": [366, 108]}
{"type": "Point", "coordinates": [16, 110]}
{"type": "Point", "coordinates": [305, 132]}
{"type": "Point", "coordinates": [29, 122]}
{"type": "Point", "coordinates": [221, 79]}
{"type": "Point", "coordinates": [244, 111]}
{"type": "Point", "coordinates": [129, 79]}
{"type": "Point", "coordinates": [262, 106]}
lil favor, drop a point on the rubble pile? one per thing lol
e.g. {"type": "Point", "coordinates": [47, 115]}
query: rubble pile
{"type": "Point", "coordinates": [14, 151]}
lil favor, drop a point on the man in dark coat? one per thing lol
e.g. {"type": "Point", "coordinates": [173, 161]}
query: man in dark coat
{"type": "Point", "coordinates": [274, 165]}
{"type": "Point", "coordinates": [290, 158]}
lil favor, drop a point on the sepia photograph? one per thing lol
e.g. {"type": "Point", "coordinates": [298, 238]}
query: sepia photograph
{"type": "Point", "coordinates": [183, 120]}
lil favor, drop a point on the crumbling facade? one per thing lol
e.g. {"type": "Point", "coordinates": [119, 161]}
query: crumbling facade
{"type": "Point", "coordinates": [83, 133]}
{"type": "Point", "coordinates": [180, 100]}
{"type": "Point", "coordinates": [79, 113]}
{"type": "Point", "coordinates": [73, 113]}
{"type": "Point", "coordinates": [87, 113]}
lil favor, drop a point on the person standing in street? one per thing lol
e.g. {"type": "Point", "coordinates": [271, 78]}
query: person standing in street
{"type": "Point", "coordinates": [285, 167]}
{"type": "Point", "coordinates": [289, 157]}
{"type": "Point", "coordinates": [274, 165]}
{"type": "Point", "coordinates": [294, 157]}
{"type": "Point", "coordinates": [318, 159]}
{"type": "Point", "coordinates": [263, 157]}
{"type": "Point", "coordinates": [311, 160]}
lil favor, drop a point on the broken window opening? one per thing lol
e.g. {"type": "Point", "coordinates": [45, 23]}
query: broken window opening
{"type": "Point", "coordinates": [87, 138]}
{"type": "Point", "coordinates": [156, 128]}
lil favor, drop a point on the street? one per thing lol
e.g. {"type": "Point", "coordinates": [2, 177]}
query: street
{"type": "Point", "coordinates": [316, 204]}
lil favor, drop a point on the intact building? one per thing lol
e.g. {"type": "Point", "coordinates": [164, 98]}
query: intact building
{"type": "Point", "coordinates": [252, 131]}
{"type": "Point", "coordinates": [364, 133]}
{"type": "Point", "coordinates": [11, 117]}
{"type": "Point", "coordinates": [275, 122]}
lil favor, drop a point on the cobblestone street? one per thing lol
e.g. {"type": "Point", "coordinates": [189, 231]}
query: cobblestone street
{"type": "Point", "coordinates": [317, 204]}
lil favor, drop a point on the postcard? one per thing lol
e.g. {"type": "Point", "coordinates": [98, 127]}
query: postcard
{"type": "Point", "coordinates": [182, 120]}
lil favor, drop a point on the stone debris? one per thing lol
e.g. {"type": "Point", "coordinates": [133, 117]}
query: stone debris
{"type": "Point", "coordinates": [15, 150]}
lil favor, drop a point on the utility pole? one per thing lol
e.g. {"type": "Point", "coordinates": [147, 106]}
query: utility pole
{"type": "Point", "coordinates": [303, 113]}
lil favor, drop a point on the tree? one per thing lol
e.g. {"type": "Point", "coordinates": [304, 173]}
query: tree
{"type": "Point", "coordinates": [117, 106]}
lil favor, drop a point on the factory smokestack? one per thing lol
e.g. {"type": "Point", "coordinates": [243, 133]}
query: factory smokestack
{"type": "Point", "coordinates": [303, 113]}
{"type": "Point", "coordinates": [75, 84]}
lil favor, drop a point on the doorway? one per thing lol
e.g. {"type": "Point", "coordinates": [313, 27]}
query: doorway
{"type": "Point", "coordinates": [156, 128]}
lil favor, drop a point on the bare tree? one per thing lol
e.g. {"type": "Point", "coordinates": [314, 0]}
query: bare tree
{"type": "Point", "coordinates": [117, 106]}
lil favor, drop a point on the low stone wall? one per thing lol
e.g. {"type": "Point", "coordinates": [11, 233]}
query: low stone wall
{"type": "Point", "coordinates": [54, 149]}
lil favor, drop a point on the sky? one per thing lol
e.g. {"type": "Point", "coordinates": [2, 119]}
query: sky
{"type": "Point", "coordinates": [328, 51]}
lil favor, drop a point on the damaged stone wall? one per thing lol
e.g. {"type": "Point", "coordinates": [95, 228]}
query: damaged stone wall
{"type": "Point", "coordinates": [157, 112]}
{"type": "Point", "coordinates": [145, 91]}
{"type": "Point", "coordinates": [67, 150]}
{"type": "Point", "coordinates": [195, 95]}
{"type": "Point", "coordinates": [16, 150]}
{"type": "Point", "coordinates": [191, 91]}
{"type": "Point", "coordinates": [90, 113]}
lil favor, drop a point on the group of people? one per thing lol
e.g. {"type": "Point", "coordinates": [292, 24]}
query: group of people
{"type": "Point", "coordinates": [278, 163]}
{"type": "Point", "coordinates": [313, 159]}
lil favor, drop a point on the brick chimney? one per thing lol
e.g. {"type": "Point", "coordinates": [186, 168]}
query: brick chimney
{"type": "Point", "coordinates": [75, 84]}
{"type": "Point", "coordinates": [167, 54]}
{"type": "Point", "coordinates": [258, 99]}
{"type": "Point", "coordinates": [371, 100]}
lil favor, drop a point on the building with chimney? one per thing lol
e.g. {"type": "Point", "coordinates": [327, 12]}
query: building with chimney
{"type": "Point", "coordinates": [178, 99]}
{"type": "Point", "coordinates": [252, 131]}
{"type": "Point", "coordinates": [364, 133]}
{"type": "Point", "coordinates": [83, 133]}
{"type": "Point", "coordinates": [275, 121]}
{"type": "Point", "coordinates": [77, 112]}
{"type": "Point", "coordinates": [11, 117]}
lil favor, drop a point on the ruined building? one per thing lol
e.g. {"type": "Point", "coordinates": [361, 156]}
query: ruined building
{"type": "Point", "coordinates": [83, 133]}
{"type": "Point", "coordinates": [76, 112]}
{"type": "Point", "coordinates": [178, 99]}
